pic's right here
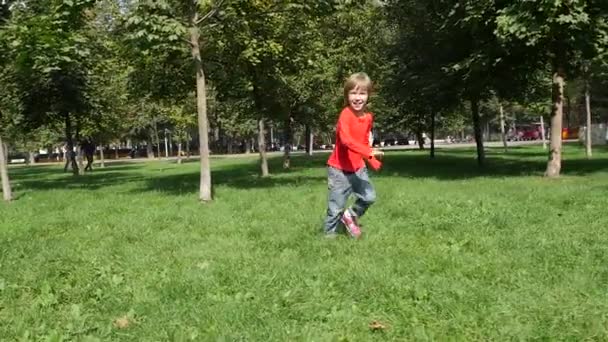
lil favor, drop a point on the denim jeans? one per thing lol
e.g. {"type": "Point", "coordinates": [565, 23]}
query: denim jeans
{"type": "Point", "coordinates": [341, 185]}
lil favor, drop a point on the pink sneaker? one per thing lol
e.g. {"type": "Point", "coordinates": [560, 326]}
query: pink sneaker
{"type": "Point", "coordinates": [350, 222]}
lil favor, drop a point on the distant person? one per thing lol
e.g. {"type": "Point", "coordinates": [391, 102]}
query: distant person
{"type": "Point", "coordinates": [347, 173]}
{"type": "Point", "coordinates": [89, 152]}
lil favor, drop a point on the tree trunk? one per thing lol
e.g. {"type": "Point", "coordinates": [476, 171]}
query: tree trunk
{"type": "Point", "coordinates": [262, 148]}
{"type": "Point", "coordinates": [588, 130]}
{"type": "Point", "coordinates": [420, 138]}
{"type": "Point", "coordinates": [554, 164]}
{"type": "Point", "coordinates": [308, 139]}
{"type": "Point", "coordinates": [71, 156]}
{"type": "Point", "coordinates": [150, 148]}
{"type": "Point", "coordinates": [31, 157]}
{"type": "Point", "coordinates": [288, 142]}
{"type": "Point", "coordinates": [229, 146]}
{"type": "Point", "coordinates": [102, 159]}
{"type": "Point", "coordinates": [433, 135]}
{"type": "Point", "coordinates": [568, 112]}
{"type": "Point", "coordinates": [179, 153]}
{"type": "Point", "coordinates": [272, 135]}
{"type": "Point", "coordinates": [502, 129]}
{"type": "Point", "coordinates": [478, 134]}
{"type": "Point", "coordinates": [201, 106]}
{"type": "Point", "coordinates": [542, 132]}
{"type": "Point", "coordinates": [488, 137]}
{"type": "Point", "coordinates": [188, 148]}
{"type": "Point", "coordinates": [157, 139]}
{"type": "Point", "coordinates": [6, 184]}
{"type": "Point", "coordinates": [247, 146]}
{"type": "Point", "coordinates": [79, 159]}
{"type": "Point", "coordinates": [116, 152]}
{"type": "Point", "coordinates": [311, 139]}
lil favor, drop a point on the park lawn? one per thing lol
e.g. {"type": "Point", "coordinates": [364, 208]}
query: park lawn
{"type": "Point", "coordinates": [450, 252]}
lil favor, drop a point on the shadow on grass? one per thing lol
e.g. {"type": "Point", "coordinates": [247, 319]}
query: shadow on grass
{"type": "Point", "coordinates": [462, 164]}
{"type": "Point", "coordinates": [244, 174]}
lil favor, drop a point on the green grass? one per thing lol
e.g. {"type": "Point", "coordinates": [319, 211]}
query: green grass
{"type": "Point", "coordinates": [451, 252]}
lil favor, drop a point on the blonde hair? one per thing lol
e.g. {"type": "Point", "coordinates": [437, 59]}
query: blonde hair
{"type": "Point", "coordinates": [357, 80]}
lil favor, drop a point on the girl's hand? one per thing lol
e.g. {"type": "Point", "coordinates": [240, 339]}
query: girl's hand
{"type": "Point", "coordinates": [378, 154]}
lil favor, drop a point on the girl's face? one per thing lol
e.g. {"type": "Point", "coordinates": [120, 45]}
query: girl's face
{"type": "Point", "coordinates": [357, 99]}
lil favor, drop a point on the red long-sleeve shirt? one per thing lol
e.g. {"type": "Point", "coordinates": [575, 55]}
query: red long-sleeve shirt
{"type": "Point", "coordinates": [352, 141]}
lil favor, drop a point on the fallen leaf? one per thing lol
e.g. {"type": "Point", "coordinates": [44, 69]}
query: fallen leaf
{"type": "Point", "coordinates": [122, 322]}
{"type": "Point", "coordinates": [376, 325]}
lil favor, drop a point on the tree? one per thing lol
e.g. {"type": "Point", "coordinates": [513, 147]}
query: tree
{"type": "Point", "coordinates": [556, 32]}
{"type": "Point", "coordinates": [183, 120]}
{"type": "Point", "coordinates": [160, 26]}
{"type": "Point", "coordinates": [5, 103]}
{"type": "Point", "coordinates": [52, 59]}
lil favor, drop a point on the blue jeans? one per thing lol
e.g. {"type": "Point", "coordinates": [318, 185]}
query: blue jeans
{"type": "Point", "coordinates": [341, 185]}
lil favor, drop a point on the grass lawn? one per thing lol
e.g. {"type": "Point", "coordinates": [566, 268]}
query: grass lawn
{"type": "Point", "coordinates": [450, 253]}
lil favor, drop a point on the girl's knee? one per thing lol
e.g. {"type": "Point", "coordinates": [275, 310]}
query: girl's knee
{"type": "Point", "coordinates": [370, 198]}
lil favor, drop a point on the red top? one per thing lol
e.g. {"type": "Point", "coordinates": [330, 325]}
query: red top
{"type": "Point", "coordinates": [352, 141]}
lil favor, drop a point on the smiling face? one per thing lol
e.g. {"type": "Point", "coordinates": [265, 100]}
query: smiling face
{"type": "Point", "coordinates": [356, 92]}
{"type": "Point", "coordinates": [357, 99]}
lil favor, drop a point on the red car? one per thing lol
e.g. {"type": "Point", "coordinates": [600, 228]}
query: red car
{"type": "Point", "coordinates": [526, 132]}
{"type": "Point", "coordinates": [531, 132]}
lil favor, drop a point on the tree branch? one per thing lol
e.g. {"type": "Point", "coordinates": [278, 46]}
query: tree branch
{"type": "Point", "coordinates": [210, 13]}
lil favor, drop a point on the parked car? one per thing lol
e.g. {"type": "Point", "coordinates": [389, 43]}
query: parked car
{"type": "Point", "coordinates": [525, 132]}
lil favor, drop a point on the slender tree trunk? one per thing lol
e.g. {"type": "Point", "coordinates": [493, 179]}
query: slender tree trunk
{"type": "Point", "coordinates": [420, 138]}
{"type": "Point", "coordinates": [179, 152]}
{"type": "Point", "coordinates": [80, 159]}
{"type": "Point", "coordinates": [542, 132]}
{"type": "Point", "coordinates": [71, 155]}
{"type": "Point", "coordinates": [433, 135]}
{"type": "Point", "coordinates": [311, 139]}
{"type": "Point", "coordinates": [568, 112]}
{"type": "Point", "coordinates": [247, 146]}
{"type": "Point", "coordinates": [201, 106]}
{"type": "Point", "coordinates": [102, 159]}
{"type": "Point", "coordinates": [288, 142]}
{"type": "Point", "coordinates": [307, 139]}
{"type": "Point", "coordinates": [478, 134]}
{"type": "Point", "coordinates": [31, 157]}
{"type": "Point", "coordinates": [150, 148]}
{"type": "Point", "coordinates": [554, 164]}
{"type": "Point", "coordinates": [503, 135]}
{"type": "Point", "coordinates": [79, 151]}
{"type": "Point", "coordinates": [488, 136]}
{"type": "Point", "coordinates": [588, 130]}
{"type": "Point", "coordinates": [272, 134]}
{"type": "Point", "coordinates": [262, 148]}
{"type": "Point", "coordinates": [6, 184]}
{"type": "Point", "coordinates": [116, 156]}
{"type": "Point", "coordinates": [188, 148]}
{"type": "Point", "coordinates": [157, 140]}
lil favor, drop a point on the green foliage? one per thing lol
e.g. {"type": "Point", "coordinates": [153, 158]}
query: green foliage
{"type": "Point", "coordinates": [51, 54]}
{"type": "Point", "coordinates": [557, 29]}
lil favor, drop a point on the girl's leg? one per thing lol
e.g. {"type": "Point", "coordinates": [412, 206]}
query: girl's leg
{"type": "Point", "coordinates": [339, 190]}
{"type": "Point", "coordinates": [363, 190]}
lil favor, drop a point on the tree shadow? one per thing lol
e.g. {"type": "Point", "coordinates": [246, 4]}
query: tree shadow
{"type": "Point", "coordinates": [304, 171]}
{"type": "Point", "coordinates": [455, 165]}
{"type": "Point", "coordinates": [91, 181]}
{"type": "Point", "coordinates": [241, 175]}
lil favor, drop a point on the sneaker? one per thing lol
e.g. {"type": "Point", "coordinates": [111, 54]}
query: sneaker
{"type": "Point", "coordinates": [350, 222]}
